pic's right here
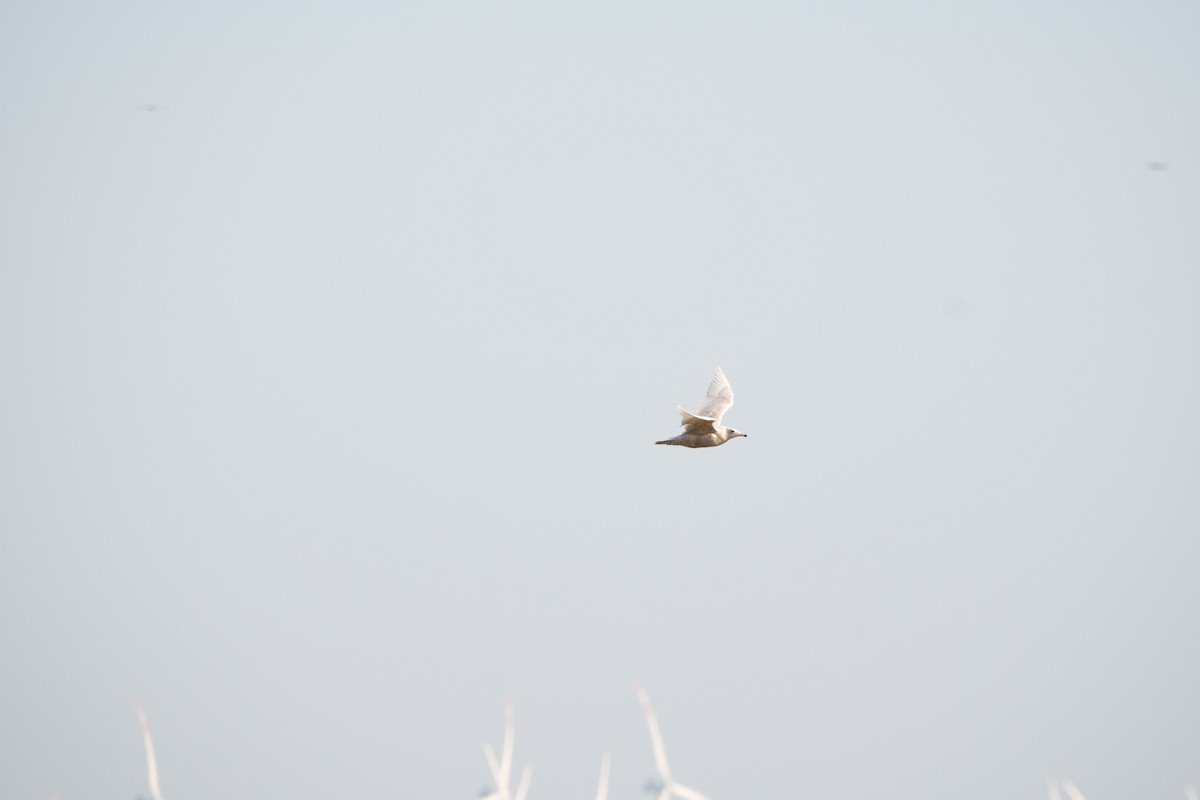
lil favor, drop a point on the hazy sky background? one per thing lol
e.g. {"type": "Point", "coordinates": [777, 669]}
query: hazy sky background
{"type": "Point", "coordinates": [329, 391]}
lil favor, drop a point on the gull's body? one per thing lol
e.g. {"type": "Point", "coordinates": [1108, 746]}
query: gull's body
{"type": "Point", "coordinates": [704, 428]}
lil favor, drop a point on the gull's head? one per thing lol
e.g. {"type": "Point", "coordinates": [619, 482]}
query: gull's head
{"type": "Point", "coordinates": [733, 433]}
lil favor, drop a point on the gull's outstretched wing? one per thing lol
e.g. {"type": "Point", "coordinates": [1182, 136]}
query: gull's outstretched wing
{"type": "Point", "coordinates": [718, 400]}
{"type": "Point", "coordinates": [694, 424]}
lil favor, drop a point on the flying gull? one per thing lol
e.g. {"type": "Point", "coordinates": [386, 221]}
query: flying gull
{"type": "Point", "coordinates": [704, 428]}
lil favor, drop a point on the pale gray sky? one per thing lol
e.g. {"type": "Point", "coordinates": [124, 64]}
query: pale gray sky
{"type": "Point", "coordinates": [330, 388]}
